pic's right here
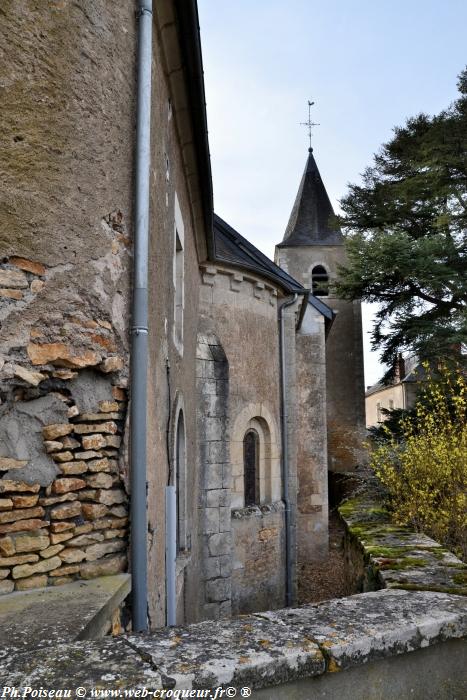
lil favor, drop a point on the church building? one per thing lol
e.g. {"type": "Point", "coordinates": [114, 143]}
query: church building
{"type": "Point", "coordinates": [252, 370]}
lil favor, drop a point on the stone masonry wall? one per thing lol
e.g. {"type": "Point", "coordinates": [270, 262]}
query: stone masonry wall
{"type": "Point", "coordinates": [215, 479]}
{"type": "Point", "coordinates": [63, 503]}
{"type": "Point", "coordinates": [258, 576]}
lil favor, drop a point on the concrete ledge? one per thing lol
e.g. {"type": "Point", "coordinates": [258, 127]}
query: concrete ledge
{"type": "Point", "coordinates": [272, 649]}
{"type": "Point", "coordinates": [380, 554]}
{"type": "Point", "coordinates": [48, 616]}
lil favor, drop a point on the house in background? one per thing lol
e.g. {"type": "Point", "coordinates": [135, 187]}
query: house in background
{"type": "Point", "coordinates": [401, 393]}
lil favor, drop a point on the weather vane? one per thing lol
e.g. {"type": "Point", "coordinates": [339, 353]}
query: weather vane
{"type": "Point", "coordinates": [309, 123]}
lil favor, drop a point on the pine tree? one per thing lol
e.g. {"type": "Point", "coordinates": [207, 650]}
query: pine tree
{"type": "Point", "coordinates": [406, 236]}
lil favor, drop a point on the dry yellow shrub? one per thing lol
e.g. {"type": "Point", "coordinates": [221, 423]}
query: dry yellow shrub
{"type": "Point", "coordinates": [425, 472]}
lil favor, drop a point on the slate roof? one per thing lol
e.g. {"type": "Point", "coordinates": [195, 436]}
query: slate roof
{"type": "Point", "coordinates": [232, 248]}
{"type": "Point", "coordinates": [311, 220]}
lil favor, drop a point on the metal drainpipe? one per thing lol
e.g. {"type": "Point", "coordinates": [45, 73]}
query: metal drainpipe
{"type": "Point", "coordinates": [285, 452]}
{"type": "Point", "coordinates": [139, 328]}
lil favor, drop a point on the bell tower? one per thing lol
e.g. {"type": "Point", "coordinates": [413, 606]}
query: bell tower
{"type": "Point", "coordinates": [311, 251]}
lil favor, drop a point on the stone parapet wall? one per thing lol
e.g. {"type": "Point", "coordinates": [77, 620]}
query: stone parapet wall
{"type": "Point", "coordinates": [380, 554]}
{"type": "Point", "coordinates": [289, 653]}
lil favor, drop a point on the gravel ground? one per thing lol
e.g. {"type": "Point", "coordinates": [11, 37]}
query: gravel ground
{"type": "Point", "coordinates": [324, 580]}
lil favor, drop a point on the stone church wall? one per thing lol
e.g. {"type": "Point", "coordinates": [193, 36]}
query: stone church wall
{"type": "Point", "coordinates": [345, 394]}
{"type": "Point", "coordinates": [65, 245]}
{"type": "Point", "coordinates": [241, 310]}
{"type": "Point", "coordinates": [310, 436]}
{"type": "Point", "coordinates": [67, 142]}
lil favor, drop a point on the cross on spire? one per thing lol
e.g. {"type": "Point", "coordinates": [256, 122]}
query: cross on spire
{"type": "Point", "coordinates": [309, 123]}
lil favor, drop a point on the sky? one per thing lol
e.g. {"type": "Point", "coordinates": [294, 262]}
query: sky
{"type": "Point", "coordinates": [366, 65]}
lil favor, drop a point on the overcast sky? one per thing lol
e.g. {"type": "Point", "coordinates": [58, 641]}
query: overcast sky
{"type": "Point", "coordinates": [367, 65]}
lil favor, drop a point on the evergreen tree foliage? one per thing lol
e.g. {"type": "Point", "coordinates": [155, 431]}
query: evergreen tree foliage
{"type": "Point", "coordinates": [406, 236]}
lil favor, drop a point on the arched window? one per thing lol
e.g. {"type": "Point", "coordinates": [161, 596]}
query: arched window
{"type": "Point", "coordinates": [251, 467]}
{"type": "Point", "coordinates": [320, 281]}
{"type": "Point", "coordinates": [180, 483]}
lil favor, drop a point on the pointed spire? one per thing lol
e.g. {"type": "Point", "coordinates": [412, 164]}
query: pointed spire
{"type": "Point", "coordinates": [312, 218]}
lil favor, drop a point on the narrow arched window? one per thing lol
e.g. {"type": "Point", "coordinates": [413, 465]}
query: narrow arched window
{"type": "Point", "coordinates": [251, 467]}
{"type": "Point", "coordinates": [180, 483]}
{"type": "Point", "coordinates": [320, 281]}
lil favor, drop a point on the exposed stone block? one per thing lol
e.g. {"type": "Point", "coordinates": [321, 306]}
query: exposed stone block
{"type": "Point", "coordinates": [94, 442]}
{"type": "Point", "coordinates": [62, 526]}
{"type": "Point", "coordinates": [62, 456]}
{"type": "Point", "coordinates": [57, 537]}
{"type": "Point", "coordinates": [31, 541]}
{"type": "Point", "coordinates": [37, 285]}
{"type": "Point", "coordinates": [119, 511]}
{"type": "Point", "coordinates": [107, 427]}
{"type": "Point", "coordinates": [104, 567]}
{"type": "Point", "coordinates": [36, 268]}
{"type": "Point", "coordinates": [60, 580]}
{"type": "Point", "coordinates": [110, 523]}
{"type": "Point", "coordinates": [61, 486]}
{"type": "Point", "coordinates": [52, 500]}
{"type": "Point", "coordinates": [6, 587]}
{"type": "Point", "coordinates": [24, 501]}
{"type": "Point", "coordinates": [66, 510]}
{"type": "Point", "coordinates": [101, 416]}
{"type": "Point", "coordinates": [72, 555]}
{"type": "Point", "coordinates": [61, 354]}
{"type": "Point", "coordinates": [89, 454]}
{"type": "Point", "coordinates": [13, 279]}
{"type": "Point", "coordinates": [70, 443]}
{"type": "Point", "coordinates": [51, 551]}
{"type": "Point", "coordinates": [64, 374]}
{"type": "Point", "coordinates": [7, 546]}
{"type": "Point", "coordinates": [26, 584]}
{"type": "Point", "coordinates": [29, 376]}
{"type": "Point", "coordinates": [87, 539]}
{"type": "Point", "coordinates": [101, 480]}
{"type": "Point", "coordinates": [109, 406]}
{"type": "Point", "coordinates": [21, 514]}
{"type": "Point", "coordinates": [102, 465]}
{"type": "Point", "coordinates": [41, 567]}
{"type": "Point", "coordinates": [65, 570]}
{"type": "Point", "coordinates": [19, 559]}
{"type": "Point", "coordinates": [110, 534]}
{"type": "Point", "coordinates": [6, 504]}
{"type": "Point", "coordinates": [111, 497]}
{"type": "Point", "coordinates": [88, 495]}
{"type": "Point", "coordinates": [4, 573]}
{"type": "Point", "coordinates": [75, 467]}
{"type": "Point", "coordinates": [50, 432]}
{"type": "Point", "coordinates": [118, 394]}
{"type": "Point", "coordinates": [8, 485]}
{"type": "Point", "coordinates": [7, 463]}
{"type": "Point", "coordinates": [15, 294]}
{"type": "Point", "coordinates": [112, 441]}
{"type": "Point", "coordinates": [53, 446]}
{"type": "Point", "coordinates": [112, 364]}
{"type": "Point", "coordinates": [93, 511]}
{"type": "Point", "coordinates": [20, 525]}
{"type": "Point", "coordinates": [97, 551]}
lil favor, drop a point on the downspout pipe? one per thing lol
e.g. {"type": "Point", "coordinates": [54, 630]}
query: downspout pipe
{"type": "Point", "coordinates": [285, 452]}
{"type": "Point", "coordinates": [139, 327]}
